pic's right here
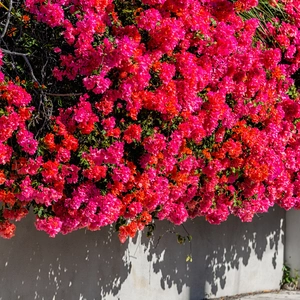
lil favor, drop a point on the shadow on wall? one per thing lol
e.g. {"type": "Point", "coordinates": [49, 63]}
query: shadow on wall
{"type": "Point", "coordinates": [94, 265]}
{"type": "Point", "coordinates": [82, 265]}
{"type": "Point", "coordinates": [220, 255]}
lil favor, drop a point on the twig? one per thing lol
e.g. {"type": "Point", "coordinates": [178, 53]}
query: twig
{"type": "Point", "coordinates": [43, 73]}
{"type": "Point", "coordinates": [8, 17]}
{"type": "Point", "coordinates": [13, 53]}
{"type": "Point", "coordinates": [47, 114]}
{"type": "Point", "coordinates": [185, 230]}
{"type": "Point", "coordinates": [64, 95]}
{"type": "Point", "coordinates": [24, 55]}
{"type": "Point", "coordinates": [190, 242]}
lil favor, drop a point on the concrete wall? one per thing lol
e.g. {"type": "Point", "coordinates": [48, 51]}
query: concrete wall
{"type": "Point", "coordinates": [292, 246]}
{"type": "Point", "coordinates": [228, 259]}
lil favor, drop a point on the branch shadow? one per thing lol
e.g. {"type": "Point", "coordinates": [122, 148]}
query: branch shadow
{"type": "Point", "coordinates": [81, 265]}
{"type": "Point", "coordinates": [226, 258]}
{"type": "Point", "coordinates": [94, 265]}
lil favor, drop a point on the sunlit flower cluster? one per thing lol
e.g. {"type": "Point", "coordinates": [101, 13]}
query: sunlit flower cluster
{"type": "Point", "coordinates": [185, 113]}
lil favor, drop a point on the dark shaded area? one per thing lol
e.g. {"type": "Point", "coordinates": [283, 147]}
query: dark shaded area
{"type": "Point", "coordinates": [296, 77]}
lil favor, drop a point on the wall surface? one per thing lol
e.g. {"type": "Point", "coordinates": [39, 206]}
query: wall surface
{"type": "Point", "coordinates": [228, 259]}
{"type": "Point", "coordinates": [292, 246]}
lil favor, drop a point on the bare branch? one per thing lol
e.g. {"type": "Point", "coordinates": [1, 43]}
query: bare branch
{"type": "Point", "coordinates": [7, 19]}
{"type": "Point", "coordinates": [43, 73]}
{"type": "Point", "coordinates": [24, 55]}
{"type": "Point", "coordinates": [64, 95]}
{"type": "Point", "coordinates": [13, 52]}
{"type": "Point", "coordinates": [47, 113]}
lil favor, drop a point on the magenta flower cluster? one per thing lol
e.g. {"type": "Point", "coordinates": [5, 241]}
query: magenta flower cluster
{"type": "Point", "coordinates": [185, 113]}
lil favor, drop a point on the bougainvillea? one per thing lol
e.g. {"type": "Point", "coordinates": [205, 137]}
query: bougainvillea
{"type": "Point", "coordinates": [155, 109]}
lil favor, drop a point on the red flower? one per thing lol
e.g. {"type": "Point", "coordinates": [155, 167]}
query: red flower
{"type": "Point", "coordinates": [2, 177]}
{"type": "Point", "coordinates": [95, 173]}
{"type": "Point", "coordinates": [7, 229]}
{"type": "Point", "coordinates": [133, 132]}
{"type": "Point", "coordinates": [49, 142]}
{"type": "Point", "coordinates": [70, 142]}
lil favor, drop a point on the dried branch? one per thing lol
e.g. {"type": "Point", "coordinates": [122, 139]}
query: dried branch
{"type": "Point", "coordinates": [47, 113]}
{"type": "Point", "coordinates": [64, 95]}
{"type": "Point", "coordinates": [24, 55]}
{"type": "Point", "coordinates": [8, 17]}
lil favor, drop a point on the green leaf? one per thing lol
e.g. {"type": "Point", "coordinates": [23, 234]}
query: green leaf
{"type": "Point", "coordinates": [180, 239]}
{"type": "Point", "coordinates": [189, 258]}
{"type": "Point", "coordinates": [189, 238]}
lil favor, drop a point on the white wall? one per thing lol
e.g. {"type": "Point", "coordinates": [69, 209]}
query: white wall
{"type": "Point", "coordinates": [292, 246]}
{"type": "Point", "coordinates": [228, 259]}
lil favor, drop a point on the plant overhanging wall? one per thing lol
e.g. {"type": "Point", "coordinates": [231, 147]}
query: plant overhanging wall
{"type": "Point", "coordinates": [128, 111]}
